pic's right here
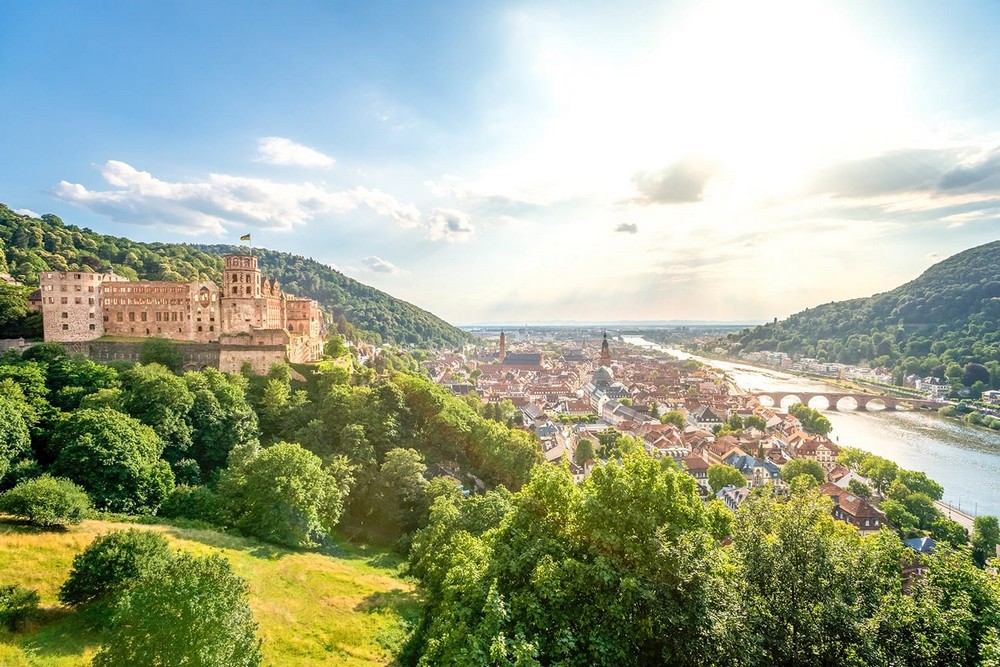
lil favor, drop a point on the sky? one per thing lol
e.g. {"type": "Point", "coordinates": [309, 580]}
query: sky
{"type": "Point", "coordinates": [517, 162]}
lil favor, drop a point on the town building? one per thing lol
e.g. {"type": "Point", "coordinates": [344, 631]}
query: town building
{"type": "Point", "coordinates": [248, 320]}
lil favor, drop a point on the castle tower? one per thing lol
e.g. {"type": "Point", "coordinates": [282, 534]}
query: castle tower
{"type": "Point", "coordinates": [241, 278]}
{"type": "Point", "coordinates": [605, 352]}
{"type": "Point", "coordinates": [503, 346]}
{"type": "Point", "coordinates": [240, 292]}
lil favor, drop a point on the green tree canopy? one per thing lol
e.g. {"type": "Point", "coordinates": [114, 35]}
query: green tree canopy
{"type": "Point", "coordinates": [114, 457]}
{"type": "Point", "coordinates": [284, 495]}
{"type": "Point", "coordinates": [193, 611]}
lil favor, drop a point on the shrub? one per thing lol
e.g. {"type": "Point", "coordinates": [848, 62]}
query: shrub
{"type": "Point", "coordinates": [112, 563]}
{"type": "Point", "coordinates": [18, 605]}
{"type": "Point", "coordinates": [192, 502]}
{"type": "Point", "coordinates": [194, 611]}
{"type": "Point", "coordinates": [47, 501]}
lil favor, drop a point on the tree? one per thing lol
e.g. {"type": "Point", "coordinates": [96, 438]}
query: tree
{"type": "Point", "coordinates": [859, 488]}
{"type": "Point", "coordinates": [114, 457]}
{"type": "Point", "coordinates": [161, 351]}
{"type": "Point", "coordinates": [162, 400]}
{"type": "Point", "coordinates": [720, 475]}
{"type": "Point", "coordinates": [46, 501]}
{"type": "Point", "coordinates": [797, 467]}
{"type": "Point", "coordinates": [111, 563]}
{"type": "Point", "coordinates": [754, 421]}
{"type": "Point", "coordinates": [193, 611]}
{"type": "Point", "coordinates": [284, 495]}
{"type": "Point", "coordinates": [797, 567]}
{"type": "Point", "coordinates": [812, 421]}
{"type": "Point", "coordinates": [584, 451]}
{"type": "Point", "coordinates": [403, 490]}
{"type": "Point", "coordinates": [985, 537]}
{"type": "Point", "coordinates": [15, 439]}
{"type": "Point", "coordinates": [675, 417]}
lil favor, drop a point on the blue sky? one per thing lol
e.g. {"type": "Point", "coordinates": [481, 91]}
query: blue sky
{"type": "Point", "coordinates": [510, 162]}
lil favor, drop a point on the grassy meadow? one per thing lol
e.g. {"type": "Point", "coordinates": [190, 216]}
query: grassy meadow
{"type": "Point", "coordinates": [346, 605]}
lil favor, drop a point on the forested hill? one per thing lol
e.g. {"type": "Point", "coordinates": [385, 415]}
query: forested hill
{"type": "Point", "coordinates": [946, 317]}
{"type": "Point", "coordinates": [31, 245]}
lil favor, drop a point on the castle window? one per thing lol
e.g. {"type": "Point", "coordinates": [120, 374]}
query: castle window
{"type": "Point", "coordinates": [93, 327]}
{"type": "Point", "coordinates": [142, 316]}
{"type": "Point", "coordinates": [211, 328]}
{"type": "Point", "coordinates": [199, 328]}
{"type": "Point", "coordinates": [77, 288]}
{"type": "Point", "coordinates": [91, 301]}
{"type": "Point", "coordinates": [65, 327]}
{"type": "Point", "coordinates": [78, 300]}
{"type": "Point", "coordinates": [63, 288]}
{"type": "Point", "coordinates": [131, 316]}
{"type": "Point", "coordinates": [235, 291]}
{"type": "Point", "coordinates": [65, 315]}
{"type": "Point", "coordinates": [248, 289]}
{"type": "Point", "coordinates": [91, 316]}
{"type": "Point", "coordinates": [119, 317]}
{"type": "Point", "coordinates": [64, 300]}
{"type": "Point", "coordinates": [78, 276]}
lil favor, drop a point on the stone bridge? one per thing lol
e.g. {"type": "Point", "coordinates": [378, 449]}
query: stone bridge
{"type": "Point", "coordinates": [863, 401]}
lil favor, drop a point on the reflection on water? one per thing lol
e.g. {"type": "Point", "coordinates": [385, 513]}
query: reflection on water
{"type": "Point", "coordinates": [964, 459]}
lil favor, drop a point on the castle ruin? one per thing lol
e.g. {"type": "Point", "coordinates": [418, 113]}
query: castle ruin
{"type": "Point", "coordinates": [247, 320]}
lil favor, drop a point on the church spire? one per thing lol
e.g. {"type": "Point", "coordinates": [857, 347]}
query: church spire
{"type": "Point", "coordinates": [503, 346]}
{"type": "Point", "coordinates": [605, 351]}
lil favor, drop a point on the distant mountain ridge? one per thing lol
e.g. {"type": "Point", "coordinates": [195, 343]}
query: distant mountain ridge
{"type": "Point", "coordinates": [947, 316]}
{"type": "Point", "coordinates": [29, 246]}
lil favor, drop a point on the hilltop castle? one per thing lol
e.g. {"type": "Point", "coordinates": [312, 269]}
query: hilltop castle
{"type": "Point", "coordinates": [246, 320]}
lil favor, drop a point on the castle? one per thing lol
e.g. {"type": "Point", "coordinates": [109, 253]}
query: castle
{"type": "Point", "coordinates": [247, 320]}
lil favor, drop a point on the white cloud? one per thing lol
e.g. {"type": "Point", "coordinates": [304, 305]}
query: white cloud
{"type": "Point", "coordinates": [406, 215]}
{"type": "Point", "coordinates": [379, 265]}
{"type": "Point", "coordinates": [222, 201]}
{"type": "Point", "coordinates": [285, 152]}
{"type": "Point", "coordinates": [26, 212]}
{"type": "Point", "coordinates": [450, 225]}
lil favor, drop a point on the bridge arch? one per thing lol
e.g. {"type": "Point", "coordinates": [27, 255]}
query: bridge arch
{"type": "Point", "coordinates": [788, 400]}
{"type": "Point", "coordinates": [847, 404]}
{"type": "Point", "coordinates": [876, 404]}
{"type": "Point", "coordinates": [821, 402]}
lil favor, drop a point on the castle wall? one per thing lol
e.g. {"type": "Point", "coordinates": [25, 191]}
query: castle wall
{"type": "Point", "coordinates": [261, 349]}
{"type": "Point", "coordinates": [179, 311]}
{"type": "Point", "coordinates": [71, 304]}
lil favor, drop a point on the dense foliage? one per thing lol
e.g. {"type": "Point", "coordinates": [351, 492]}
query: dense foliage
{"type": "Point", "coordinates": [193, 611]}
{"type": "Point", "coordinates": [29, 246]}
{"type": "Point", "coordinates": [113, 562]}
{"type": "Point", "coordinates": [938, 324]}
{"type": "Point", "coordinates": [18, 606]}
{"type": "Point", "coordinates": [46, 501]}
{"type": "Point", "coordinates": [628, 569]}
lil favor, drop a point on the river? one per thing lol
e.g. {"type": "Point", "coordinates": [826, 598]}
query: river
{"type": "Point", "coordinates": [962, 458]}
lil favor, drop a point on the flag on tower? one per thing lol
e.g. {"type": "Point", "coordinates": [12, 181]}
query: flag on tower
{"type": "Point", "coordinates": [245, 237]}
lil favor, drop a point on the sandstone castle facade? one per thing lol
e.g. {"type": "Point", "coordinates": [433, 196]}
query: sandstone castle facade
{"type": "Point", "coordinates": [246, 320]}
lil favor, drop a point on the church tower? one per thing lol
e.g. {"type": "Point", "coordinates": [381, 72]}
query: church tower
{"type": "Point", "coordinates": [503, 346]}
{"type": "Point", "coordinates": [605, 352]}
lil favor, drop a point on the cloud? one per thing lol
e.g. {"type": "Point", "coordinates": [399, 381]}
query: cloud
{"type": "Point", "coordinates": [939, 172]}
{"type": "Point", "coordinates": [627, 227]}
{"type": "Point", "coordinates": [379, 265]}
{"type": "Point", "coordinates": [681, 183]}
{"type": "Point", "coordinates": [907, 170]}
{"type": "Point", "coordinates": [285, 152]}
{"type": "Point", "coordinates": [222, 202]}
{"type": "Point", "coordinates": [26, 212]}
{"type": "Point", "coordinates": [450, 225]}
{"type": "Point", "coordinates": [406, 215]}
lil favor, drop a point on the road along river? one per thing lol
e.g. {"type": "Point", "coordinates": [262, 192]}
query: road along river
{"type": "Point", "coordinates": [964, 459]}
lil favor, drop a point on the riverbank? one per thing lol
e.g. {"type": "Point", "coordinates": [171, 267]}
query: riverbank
{"type": "Point", "coordinates": [964, 459]}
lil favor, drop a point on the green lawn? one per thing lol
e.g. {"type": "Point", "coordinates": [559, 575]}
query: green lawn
{"type": "Point", "coordinates": [345, 606]}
